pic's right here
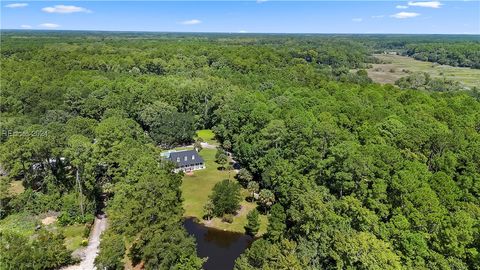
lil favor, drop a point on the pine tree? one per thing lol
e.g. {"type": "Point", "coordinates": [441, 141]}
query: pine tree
{"type": "Point", "coordinates": [276, 222]}
{"type": "Point", "coordinates": [253, 223]}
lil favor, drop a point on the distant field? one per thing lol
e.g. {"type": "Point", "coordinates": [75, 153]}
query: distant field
{"type": "Point", "coordinates": [397, 66]}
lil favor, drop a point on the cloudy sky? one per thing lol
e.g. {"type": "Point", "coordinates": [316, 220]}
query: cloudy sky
{"type": "Point", "coordinates": [262, 16]}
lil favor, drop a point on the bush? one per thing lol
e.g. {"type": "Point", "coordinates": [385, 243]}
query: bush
{"type": "Point", "coordinates": [227, 218]}
{"type": "Point", "coordinates": [362, 72]}
{"type": "Point", "coordinates": [64, 219]}
{"type": "Point", "coordinates": [86, 230]}
{"type": "Point", "coordinates": [208, 210]}
{"type": "Point", "coordinates": [244, 177]}
{"type": "Point", "coordinates": [45, 251]}
{"type": "Point", "coordinates": [222, 159]}
{"type": "Point", "coordinates": [87, 218]}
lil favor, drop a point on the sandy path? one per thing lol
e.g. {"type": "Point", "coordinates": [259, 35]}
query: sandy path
{"type": "Point", "coordinates": [207, 145]}
{"type": "Point", "coordinates": [90, 252]}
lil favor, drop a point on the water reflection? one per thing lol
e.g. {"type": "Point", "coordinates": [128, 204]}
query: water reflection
{"type": "Point", "coordinates": [221, 247]}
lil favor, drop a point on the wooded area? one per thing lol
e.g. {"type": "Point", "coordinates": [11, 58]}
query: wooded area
{"type": "Point", "coordinates": [359, 175]}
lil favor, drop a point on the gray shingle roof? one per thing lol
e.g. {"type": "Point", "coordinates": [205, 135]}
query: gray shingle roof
{"type": "Point", "coordinates": [185, 158]}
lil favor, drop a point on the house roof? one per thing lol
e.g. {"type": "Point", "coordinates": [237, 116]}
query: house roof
{"type": "Point", "coordinates": [185, 158]}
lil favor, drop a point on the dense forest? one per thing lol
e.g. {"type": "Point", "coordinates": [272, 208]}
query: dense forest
{"type": "Point", "coordinates": [364, 176]}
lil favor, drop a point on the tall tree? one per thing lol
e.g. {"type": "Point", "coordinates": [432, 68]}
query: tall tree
{"type": "Point", "coordinates": [225, 197]}
{"type": "Point", "coordinates": [276, 223]}
{"type": "Point", "coordinates": [253, 223]}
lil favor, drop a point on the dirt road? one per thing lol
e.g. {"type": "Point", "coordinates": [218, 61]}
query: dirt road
{"type": "Point", "coordinates": [89, 254]}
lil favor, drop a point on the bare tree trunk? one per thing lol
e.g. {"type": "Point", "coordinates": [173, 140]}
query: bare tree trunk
{"type": "Point", "coordinates": [80, 190]}
{"type": "Point", "coordinates": [206, 109]}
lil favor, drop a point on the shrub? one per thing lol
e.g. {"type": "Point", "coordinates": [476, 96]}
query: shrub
{"type": "Point", "coordinates": [227, 218]}
{"type": "Point", "coordinates": [244, 177]}
{"type": "Point", "coordinates": [45, 251]}
{"type": "Point", "coordinates": [64, 219]}
{"type": "Point", "coordinates": [208, 210]}
{"type": "Point", "coordinates": [266, 198]}
{"type": "Point", "coordinates": [86, 230]}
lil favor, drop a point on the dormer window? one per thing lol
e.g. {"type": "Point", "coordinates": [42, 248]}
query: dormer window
{"type": "Point", "coordinates": [178, 159]}
{"type": "Point", "coordinates": [193, 157]}
{"type": "Point", "coordinates": [185, 158]}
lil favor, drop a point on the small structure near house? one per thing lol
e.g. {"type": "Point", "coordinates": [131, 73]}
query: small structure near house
{"type": "Point", "coordinates": [186, 160]}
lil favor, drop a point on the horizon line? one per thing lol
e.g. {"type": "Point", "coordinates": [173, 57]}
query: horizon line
{"type": "Point", "coordinates": [235, 32]}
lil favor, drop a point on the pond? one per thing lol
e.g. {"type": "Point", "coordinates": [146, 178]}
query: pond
{"type": "Point", "coordinates": [221, 247]}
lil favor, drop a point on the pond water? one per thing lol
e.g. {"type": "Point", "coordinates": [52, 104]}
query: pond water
{"type": "Point", "coordinates": [221, 247]}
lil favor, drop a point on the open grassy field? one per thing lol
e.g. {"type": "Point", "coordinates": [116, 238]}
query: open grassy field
{"type": "Point", "coordinates": [197, 187]}
{"type": "Point", "coordinates": [207, 136]}
{"type": "Point", "coordinates": [397, 66]}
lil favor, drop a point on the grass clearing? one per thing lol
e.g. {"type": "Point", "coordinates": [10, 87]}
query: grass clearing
{"type": "Point", "coordinates": [74, 236]}
{"type": "Point", "coordinates": [25, 223]}
{"type": "Point", "coordinates": [240, 220]}
{"type": "Point", "coordinates": [20, 223]}
{"type": "Point", "coordinates": [197, 188]}
{"type": "Point", "coordinates": [16, 188]}
{"type": "Point", "coordinates": [397, 66]}
{"type": "Point", "coordinates": [207, 135]}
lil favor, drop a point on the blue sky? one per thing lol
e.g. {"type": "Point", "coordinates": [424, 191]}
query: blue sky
{"type": "Point", "coordinates": [416, 17]}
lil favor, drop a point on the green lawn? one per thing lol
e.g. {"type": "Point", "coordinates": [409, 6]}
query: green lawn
{"type": "Point", "coordinates": [240, 220]}
{"type": "Point", "coordinates": [24, 224]}
{"type": "Point", "coordinates": [74, 236]}
{"type": "Point", "coordinates": [197, 187]}
{"type": "Point", "coordinates": [21, 223]}
{"type": "Point", "coordinates": [396, 65]}
{"type": "Point", "coordinates": [207, 136]}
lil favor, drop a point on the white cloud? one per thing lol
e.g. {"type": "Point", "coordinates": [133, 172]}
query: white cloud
{"type": "Point", "coordinates": [191, 22]}
{"type": "Point", "coordinates": [401, 7]}
{"type": "Point", "coordinates": [429, 4]}
{"type": "Point", "coordinates": [405, 15]}
{"type": "Point", "coordinates": [357, 19]}
{"type": "Point", "coordinates": [242, 31]}
{"type": "Point", "coordinates": [25, 26]}
{"type": "Point", "coordinates": [49, 25]}
{"type": "Point", "coordinates": [16, 5]}
{"type": "Point", "coordinates": [377, 16]}
{"type": "Point", "coordinates": [65, 9]}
